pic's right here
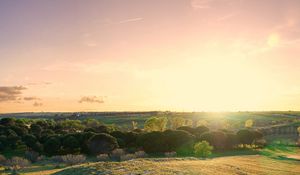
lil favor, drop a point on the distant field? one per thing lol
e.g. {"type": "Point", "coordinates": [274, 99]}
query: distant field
{"type": "Point", "coordinates": [253, 164]}
{"type": "Point", "coordinates": [124, 119]}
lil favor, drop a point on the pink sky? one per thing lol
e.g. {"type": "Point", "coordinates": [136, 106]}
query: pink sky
{"type": "Point", "coordinates": [119, 55]}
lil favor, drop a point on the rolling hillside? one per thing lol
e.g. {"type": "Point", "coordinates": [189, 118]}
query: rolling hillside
{"type": "Point", "coordinates": [254, 164]}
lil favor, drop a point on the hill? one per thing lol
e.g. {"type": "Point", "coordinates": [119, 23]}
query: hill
{"type": "Point", "coordinates": [250, 164]}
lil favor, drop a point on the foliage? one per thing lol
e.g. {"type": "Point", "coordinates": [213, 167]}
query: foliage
{"type": "Point", "coordinates": [2, 160]}
{"type": "Point", "coordinates": [32, 156]}
{"type": "Point", "coordinates": [134, 125]}
{"type": "Point", "coordinates": [17, 163]}
{"type": "Point", "coordinates": [169, 140]}
{"type": "Point", "coordinates": [71, 159]}
{"type": "Point", "coordinates": [177, 122]}
{"type": "Point", "coordinates": [156, 124]}
{"type": "Point", "coordinates": [140, 154]}
{"type": "Point", "coordinates": [103, 157]}
{"type": "Point", "coordinates": [102, 143]}
{"type": "Point", "coordinates": [52, 146]}
{"type": "Point", "coordinates": [127, 157]}
{"type": "Point", "coordinates": [217, 139]}
{"type": "Point", "coordinates": [202, 149]}
{"type": "Point", "coordinates": [245, 136]}
{"type": "Point", "coordinates": [202, 123]}
{"type": "Point", "coordinates": [117, 153]}
{"type": "Point", "coordinates": [249, 123]}
{"type": "Point", "coordinates": [170, 154]}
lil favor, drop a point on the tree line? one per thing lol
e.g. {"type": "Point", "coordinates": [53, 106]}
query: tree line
{"type": "Point", "coordinates": [91, 137]}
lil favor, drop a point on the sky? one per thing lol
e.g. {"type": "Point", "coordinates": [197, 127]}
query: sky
{"type": "Point", "coordinates": [143, 55]}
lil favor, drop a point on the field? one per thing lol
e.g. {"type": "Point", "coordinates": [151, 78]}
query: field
{"type": "Point", "coordinates": [253, 164]}
{"type": "Point", "coordinates": [279, 156]}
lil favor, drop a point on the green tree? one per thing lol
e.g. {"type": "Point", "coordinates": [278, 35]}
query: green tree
{"type": "Point", "coordinates": [134, 125]}
{"type": "Point", "coordinates": [156, 124]}
{"type": "Point", "coordinates": [176, 122]}
{"type": "Point", "coordinates": [249, 123]}
{"type": "Point", "coordinates": [102, 144]}
{"type": "Point", "coordinates": [52, 146]}
{"type": "Point", "coordinates": [202, 149]}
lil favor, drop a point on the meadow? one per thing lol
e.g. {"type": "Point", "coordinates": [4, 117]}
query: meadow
{"type": "Point", "coordinates": [150, 143]}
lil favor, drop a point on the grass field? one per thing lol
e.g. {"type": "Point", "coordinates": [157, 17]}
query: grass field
{"type": "Point", "coordinates": [250, 164]}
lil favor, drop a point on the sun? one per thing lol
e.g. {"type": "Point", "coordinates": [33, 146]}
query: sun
{"type": "Point", "coordinates": [273, 40]}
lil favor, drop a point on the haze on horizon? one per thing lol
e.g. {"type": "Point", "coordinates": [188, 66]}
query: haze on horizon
{"type": "Point", "coordinates": [135, 55]}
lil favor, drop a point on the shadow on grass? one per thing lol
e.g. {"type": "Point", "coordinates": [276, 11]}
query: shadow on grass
{"type": "Point", "coordinates": [280, 152]}
{"type": "Point", "coordinates": [79, 171]}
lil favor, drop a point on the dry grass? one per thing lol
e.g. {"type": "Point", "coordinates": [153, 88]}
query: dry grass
{"type": "Point", "coordinates": [226, 165]}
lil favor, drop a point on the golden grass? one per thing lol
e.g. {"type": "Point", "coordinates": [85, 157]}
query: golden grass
{"type": "Point", "coordinates": [254, 164]}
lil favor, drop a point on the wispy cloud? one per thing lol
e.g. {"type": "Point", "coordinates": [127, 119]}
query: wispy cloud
{"type": "Point", "coordinates": [201, 4]}
{"type": "Point", "coordinates": [37, 104]}
{"type": "Point", "coordinates": [11, 93]}
{"type": "Point", "coordinates": [31, 98]}
{"type": "Point", "coordinates": [39, 83]}
{"type": "Point", "coordinates": [91, 99]}
{"type": "Point", "coordinates": [130, 20]}
{"type": "Point", "coordinates": [226, 17]}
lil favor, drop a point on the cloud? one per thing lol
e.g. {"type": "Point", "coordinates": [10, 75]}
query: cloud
{"type": "Point", "coordinates": [37, 104]}
{"type": "Point", "coordinates": [11, 93]}
{"type": "Point", "coordinates": [130, 20]}
{"type": "Point", "coordinates": [91, 99]}
{"type": "Point", "coordinates": [201, 4]}
{"type": "Point", "coordinates": [31, 98]}
{"type": "Point", "coordinates": [226, 17]}
{"type": "Point", "coordinates": [39, 83]}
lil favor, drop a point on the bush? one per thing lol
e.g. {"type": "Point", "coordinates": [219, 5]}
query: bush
{"type": "Point", "coordinates": [127, 157]}
{"type": "Point", "coordinates": [170, 140]}
{"type": "Point", "coordinates": [71, 144]}
{"type": "Point", "coordinates": [32, 156]}
{"type": "Point", "coordinates": [57, 159]}
{"type": "Point", "coordinates": [103, 157]}
{"type": "Point", "coordinates": [175, 140]}
{"type": "Point", "coordinates": [170, 154]}
{"type": "Point", "coordinates": [17, 163]}
{"type": "Point", "coordinates": [140, 154]}
{"type": "Point", "coordinates": [245, 136]}
{"type": "Point", "coordinates": [102, 144]}
{"type": "Point", "coordinates": [202, 149]}
{"type": "Point", "coordinates": [71, 159]}
{"type": "Point", "coordinates": [156, 124]}
{"type": "Point", "coordinates": [2, 160]}
{"type": "Point", "coordinates": [116, 154]}
{"type": "Point", "coordinates": [217, 139]}
{"type": "Point", "coordinates": [52, 146]}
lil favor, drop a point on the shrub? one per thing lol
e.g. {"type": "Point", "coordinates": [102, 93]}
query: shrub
{"type": "Point", "coordinates": [170, 154]}
{"type": "Point", "coordinates": [103, 157]}
{"type": "Point", "coordinates": [140, 154]}
{"type": "Point", "coordinates": [52, 146]}
{"type": "Point", "coordinates": [116, 154]}
{"type": "Point", "coordinates": [102, 144]}
{"type": "Point", "coordinates": [170, 140]}
{"type": "Point", "coordinates": [176, 122]}
{"type": "Point", "coordinates": [127, 157]}
{"type": "Point", "coordinates": [245, 136]}
{"type": "Point", "coordinates": [217, 139]}
{"type": "Point", "coordinates": [57, 159]}
{"type": "Point", "coordinates": [202, 149]}
{"type": "Point", "coordinates": [71, 159]}
{"type": "Point", "coordinates": [156, 124]}
{"type": "Point", "coordinates": [17, 163]}
{"type": "Point", "coordinates": [71, 144]}
{"type": "Point", "coordinates": [2, 160]}
{"type": "Point", "coordinates": [176, 139]}
{"type": "Point", "coordinates": [32, 156]}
